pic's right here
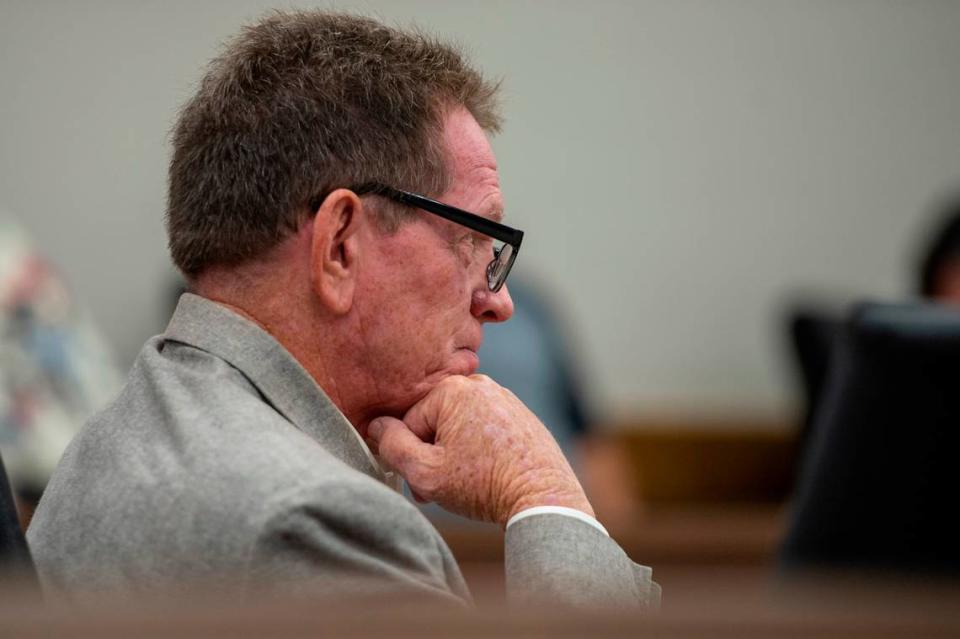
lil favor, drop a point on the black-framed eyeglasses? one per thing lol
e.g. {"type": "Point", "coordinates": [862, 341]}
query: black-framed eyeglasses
{"type": "Point", "coordinates": [504, 254]}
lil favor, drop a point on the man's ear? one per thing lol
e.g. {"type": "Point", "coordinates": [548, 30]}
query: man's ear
{"type": "Point", "coordinates": [335, 250]}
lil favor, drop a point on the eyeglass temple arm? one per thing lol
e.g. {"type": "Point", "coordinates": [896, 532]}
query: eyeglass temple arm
{"type": "Point", "coordinates": [479, 223]}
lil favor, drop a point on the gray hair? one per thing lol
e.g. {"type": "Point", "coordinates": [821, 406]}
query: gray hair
{"type": "Point", "coordinates": [300, 104]}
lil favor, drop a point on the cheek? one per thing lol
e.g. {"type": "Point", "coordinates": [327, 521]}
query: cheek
{"type": "Point", "coordinates": [413, 308]}
{"type": "Point", "coordinates": [425, 287]}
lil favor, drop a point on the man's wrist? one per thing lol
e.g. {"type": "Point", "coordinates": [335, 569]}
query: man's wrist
{"type": "Point", "coordinates": [553, 500]}
{"type": "Point", "coordinates": [558, 510]}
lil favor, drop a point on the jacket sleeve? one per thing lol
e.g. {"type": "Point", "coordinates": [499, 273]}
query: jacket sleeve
{"type": "Point", "coordinates": [557, 560]}
{"type": "Point", "coordinates": [341, 541]}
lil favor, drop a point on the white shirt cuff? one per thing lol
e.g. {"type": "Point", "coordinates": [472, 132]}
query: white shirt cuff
{"type": "Point", "coordinates": [558, 510]}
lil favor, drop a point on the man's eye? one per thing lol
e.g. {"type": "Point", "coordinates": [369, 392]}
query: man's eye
{"type": "Point", "coordinates": [476, 245]}
{"type": "Point", "coordinates": [474, 241]}
{"type": "Point", "coordinates": [483, 243]}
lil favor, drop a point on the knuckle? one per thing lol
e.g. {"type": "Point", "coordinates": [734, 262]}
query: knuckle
{"type": "Point", "coordinates": [460, 381]}
{"type": "Point", "coordinates": [421, 479]}
{"type": "Point", "coordinates": [431, 486]}
{"type": "Point", "coordinates": [455, 383]}
{"type": "Point", "coordinates": [425, 473]}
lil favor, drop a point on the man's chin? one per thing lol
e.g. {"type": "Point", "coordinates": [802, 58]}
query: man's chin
{"type": "Point", "coordinates": [464, 362]}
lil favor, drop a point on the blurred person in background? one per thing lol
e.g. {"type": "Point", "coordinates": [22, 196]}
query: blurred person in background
{"type": "Point", "coordinates": [531, 356]}
{"type": "Point", "coordinates": [939, 261]}
{"type": "Point", "coordinates": [813, 326]}
{"type": "Point", "coordinates": [55, 368]}
{"type": "Point", "coordinates": [332, 308]}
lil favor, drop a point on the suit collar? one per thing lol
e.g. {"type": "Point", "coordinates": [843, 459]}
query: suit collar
{"type": "Point", "coordinates": [275, 373]}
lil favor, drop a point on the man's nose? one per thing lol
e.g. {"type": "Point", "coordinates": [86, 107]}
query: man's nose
{"type": "Point", "coordinates": [488, 306]}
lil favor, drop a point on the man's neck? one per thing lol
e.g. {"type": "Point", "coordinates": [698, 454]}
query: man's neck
{"type": "Point", "coordinates": [316, 344]}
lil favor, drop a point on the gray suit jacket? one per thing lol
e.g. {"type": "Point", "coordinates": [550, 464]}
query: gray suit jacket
{"type": "Point", "coordinates": [223, 465]}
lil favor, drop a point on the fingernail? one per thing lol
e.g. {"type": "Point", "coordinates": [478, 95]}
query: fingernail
{"type": "Point", "coordinates": [375, 429]}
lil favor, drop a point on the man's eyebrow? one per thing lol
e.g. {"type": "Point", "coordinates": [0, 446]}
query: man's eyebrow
{"type": "Point", "coordinates": [492, 209]}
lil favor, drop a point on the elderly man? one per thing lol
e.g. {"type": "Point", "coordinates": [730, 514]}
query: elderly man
{"type": "Point", "coordinates": [332, 308]}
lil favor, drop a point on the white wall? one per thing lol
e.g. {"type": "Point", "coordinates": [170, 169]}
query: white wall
{"type": "Point", "coordinates": [679, 166]}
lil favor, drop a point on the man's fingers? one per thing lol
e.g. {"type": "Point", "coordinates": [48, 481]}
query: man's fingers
{"type": "Point", "coordinates": [424, 416]}
{"type": "Point", "coordinates": [421, 419]}
{"type": "Point", "coordinates": [401, 449]}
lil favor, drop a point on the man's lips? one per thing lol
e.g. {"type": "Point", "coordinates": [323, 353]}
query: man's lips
{"type": "Point", "coordinates": [472, 342]}
{"type": "Point", "coordinates": [474, 359]}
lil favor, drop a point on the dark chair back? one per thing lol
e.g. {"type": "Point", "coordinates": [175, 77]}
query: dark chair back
{"type": "Point", "coordinates": [880, 482]}
{"type": "Point", "coordinates": [812, 332]}
{"type": "Point", "coordinates": [15, 560]}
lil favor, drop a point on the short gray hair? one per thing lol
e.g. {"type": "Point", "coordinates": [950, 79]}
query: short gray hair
{"type": "Point", "coordinates": [300, 104]}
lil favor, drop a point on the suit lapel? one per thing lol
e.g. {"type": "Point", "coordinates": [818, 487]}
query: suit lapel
{"type": "Point", "coordinates": [274, 372]}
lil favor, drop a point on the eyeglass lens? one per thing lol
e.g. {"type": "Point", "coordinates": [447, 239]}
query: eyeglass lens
{"type": "Point", "coordinates": [498, 269]}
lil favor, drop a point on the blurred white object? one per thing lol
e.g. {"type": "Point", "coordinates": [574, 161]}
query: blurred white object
{"type": "Point", "coordinates": [55, 369]}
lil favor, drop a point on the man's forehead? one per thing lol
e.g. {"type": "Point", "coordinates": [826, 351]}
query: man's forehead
{"type": "Point", "coordinates": [474, 166]}
{"type": "Point", "coordinates": [479, 175]}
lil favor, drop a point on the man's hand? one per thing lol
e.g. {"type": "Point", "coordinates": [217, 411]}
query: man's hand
{"type": "Point", "coordinates": [471, 446]}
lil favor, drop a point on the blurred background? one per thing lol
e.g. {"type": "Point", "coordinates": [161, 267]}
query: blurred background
{"type": "Point", "coordinates": [694, 179]}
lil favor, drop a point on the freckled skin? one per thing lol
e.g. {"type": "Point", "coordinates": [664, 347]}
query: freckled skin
{"type": "Point", "coordinates": [388, 324]}
{"type": "Point", "coordinates": [422, 296]}
{"type": "Point", "coordinates": [464, 441]}
{"type": "Point", "coordinates": [490, 457]}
